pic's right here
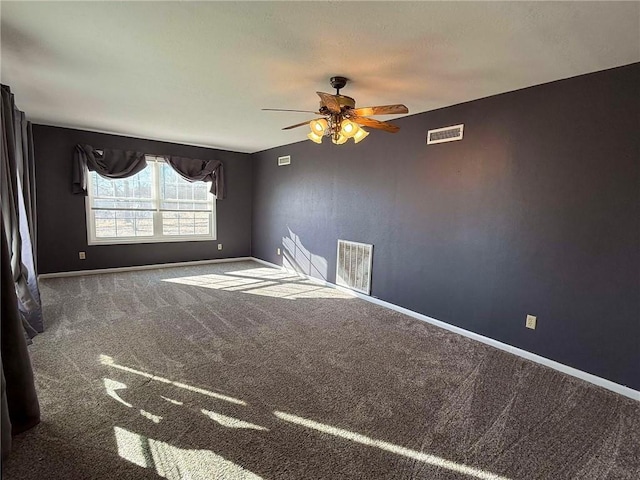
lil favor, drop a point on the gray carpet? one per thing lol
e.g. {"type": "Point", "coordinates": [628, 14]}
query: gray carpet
{"type": "Point", "coordinates": [237, 371]}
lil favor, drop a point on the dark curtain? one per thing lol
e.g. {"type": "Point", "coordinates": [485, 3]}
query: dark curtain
{"type": "Point", "coordinates": [200, 171]}
{"type": "Point", "coordinates": [20, 408]}
{"type": "Point", "coordinates": [124, 163]}
{"type": "Point", "coordinates": [19, 210]}
{"type": "Point", "coordinates": [107, 163]}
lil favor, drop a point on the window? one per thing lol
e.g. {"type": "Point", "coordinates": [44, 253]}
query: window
{"type": "Point", "coordinates": [155, 205]}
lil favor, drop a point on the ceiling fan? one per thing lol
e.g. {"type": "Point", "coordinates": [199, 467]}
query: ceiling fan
{"type": "Point", "coordinates": [341, 120]}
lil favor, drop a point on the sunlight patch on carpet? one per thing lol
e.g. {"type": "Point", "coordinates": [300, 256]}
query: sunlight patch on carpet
{"type": "Point", "coordinates": [151, 416]}
{"type": "Point", "coordinates": [266, 273]}
{"type": "Point", "coordinates": [175, 463]}
{"type": "Point", "coordinates": [304, 289]}
{"type": "Point", "coordinates": [390, 447]}
{"type": "Point", "coordinates": [267, 283]}
{"type": "Point", "coordinates": [109, 362]}
{"type": "Point", "coordinates": [111, 386]}
{"type": "Point", "coordinates": [231, 422]}
{"type": "Point", "coordinates": [219, 282]}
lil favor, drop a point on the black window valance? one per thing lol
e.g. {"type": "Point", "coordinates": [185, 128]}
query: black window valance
{"type": "Point", "coordinates": [200, 171]}
{"type": "Point", "coordinates": [125, 163]}
{"type": "Point", "coordinates": [107, 163]}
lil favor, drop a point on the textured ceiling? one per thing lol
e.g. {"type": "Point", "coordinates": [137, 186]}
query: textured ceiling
{"type": "Point", "coordinates": [199, 73]}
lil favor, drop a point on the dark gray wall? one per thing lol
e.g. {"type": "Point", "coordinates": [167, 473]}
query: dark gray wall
{"type": "Point", "coordinates": [62, 230]}
{"type": "Point", "coordinates": [535, 212]}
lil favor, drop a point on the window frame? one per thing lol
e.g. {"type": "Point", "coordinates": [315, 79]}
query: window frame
{"type": "Point", "coordinates": [154, 163]}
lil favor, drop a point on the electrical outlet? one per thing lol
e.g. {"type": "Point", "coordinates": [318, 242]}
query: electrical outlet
{"type": "Point", "coordinates": [531, 322]}
{"type": "Point", "coordinates": [279, 252]}
{"type": "Point", "coordinates": [82, 255]}
{"type": "Point", "coordinates": [219, 246]}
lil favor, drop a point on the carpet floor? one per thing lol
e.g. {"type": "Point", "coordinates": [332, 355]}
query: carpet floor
{"type": "Point", "coordinates": [238, 371]}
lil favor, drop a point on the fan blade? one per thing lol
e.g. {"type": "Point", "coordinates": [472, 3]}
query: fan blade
{"type": "Point", "coordinates": [298, 125]}
{"type": "Point", "coordinates": [330, 101]}
{"type": "Point", "coordinates": [381, 110]}
{"type": "Point", "coordinates": [370, 122]}
{"type": "Point", "coordinates": [285, 110]}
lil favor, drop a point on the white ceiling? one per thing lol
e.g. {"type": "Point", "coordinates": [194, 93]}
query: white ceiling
{"type": "Point", "coordinates": [199, 73]}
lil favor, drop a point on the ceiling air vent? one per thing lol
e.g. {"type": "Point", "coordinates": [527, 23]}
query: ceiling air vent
{"type": "Point", "coordinates": [354, 266]}
{"type": "Point", "coordinates": [284, 160]}
{"type": "Point", "coordinates": [446, 134]}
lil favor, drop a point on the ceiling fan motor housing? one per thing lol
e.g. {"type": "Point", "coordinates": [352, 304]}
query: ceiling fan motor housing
{"type": "Point", "coordinates": [344, 102]}
{"type": "Point", "coordinates": [338, 82]}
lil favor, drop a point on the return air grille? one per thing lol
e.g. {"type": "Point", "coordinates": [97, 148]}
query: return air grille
{"type": "Point", "coordinates": [354, 266]}
{"type": "Point", "coordinates": [446, 134]}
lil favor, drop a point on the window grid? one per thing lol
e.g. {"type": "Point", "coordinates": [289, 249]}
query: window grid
{"type": "Point", "coordinates": [188, 215]}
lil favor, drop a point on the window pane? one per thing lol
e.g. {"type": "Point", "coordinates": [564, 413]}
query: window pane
{"type": "Point", "coordinates": [170, 191]}
{"type": "Point", "coordinates": [110, 224]}
{"type": "Point", "coordinates": [144, 224]}
{"type": "Point", "coordinates": [201, 193]}
{"type": "Point", "coordinates": [185, 223]}
{"type": "Point", "coordinates": [102, 186]}
{"type": "Point", "coordinates": [176, 193]}
{"type": "Point", "coordinates": [181, 205]}
{"type": "Point", "coordinates": [125, 224]}
{"type": "Point", "coordinates": [170, 223]}
{"type": "Point", "coordinates": [185, 192]}
{"type": "Point", "coordinates": [122, 204]}
{"type": "Point", "coordinates": [201, 223]}
{"type": "Point", "coordinates": [138, 188]}
{"type": "Point", "coordinates": [105, 223]}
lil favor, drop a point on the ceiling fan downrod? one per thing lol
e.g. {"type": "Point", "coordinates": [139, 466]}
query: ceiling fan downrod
{"type": "Point", "coordinates": [338, 83]}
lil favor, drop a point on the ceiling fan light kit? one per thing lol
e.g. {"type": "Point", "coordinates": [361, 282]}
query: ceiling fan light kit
{"type": "Point", "coordinates": [341, 120]}
{"type": "Point", "coordinates": [319, 126]}
{"type": "Point", "coordinates": [314, 137]}
{"type": "Point", "coordinates": [348, 128]}
{"type": "Point", "coordinates": [339, 140]}
{"type": "Point", "coordinates": [360, 135]}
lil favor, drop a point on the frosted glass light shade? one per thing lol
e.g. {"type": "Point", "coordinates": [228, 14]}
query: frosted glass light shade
{"type": "Point", "coordinates": [348, 128]}
{"type": "Point", "coordinates": [314, 137]}
{"type": "Point", "coordinates": [318, 126]}
{"type": "Point", "coordinates": [341, 139]}
{"type": "Point", "coordinates": [360, 135]}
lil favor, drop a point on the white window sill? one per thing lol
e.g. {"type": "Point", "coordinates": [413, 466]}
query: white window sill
{"type": "Point", "coordinates": [130, 240]}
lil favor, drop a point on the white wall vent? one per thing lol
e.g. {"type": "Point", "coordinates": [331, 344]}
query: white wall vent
{"type": "Point", "coordinates": [354, 266]}
{"type": "Point", "coordinates": [446, 134]}
{"type": "Point", "coordinates": [284, 160]}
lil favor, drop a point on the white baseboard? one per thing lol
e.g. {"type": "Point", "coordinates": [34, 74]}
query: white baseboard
{"type": "Point", "coordinates": [76, 273]}
{"type": "Point", "coordinates": [574, 372]}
